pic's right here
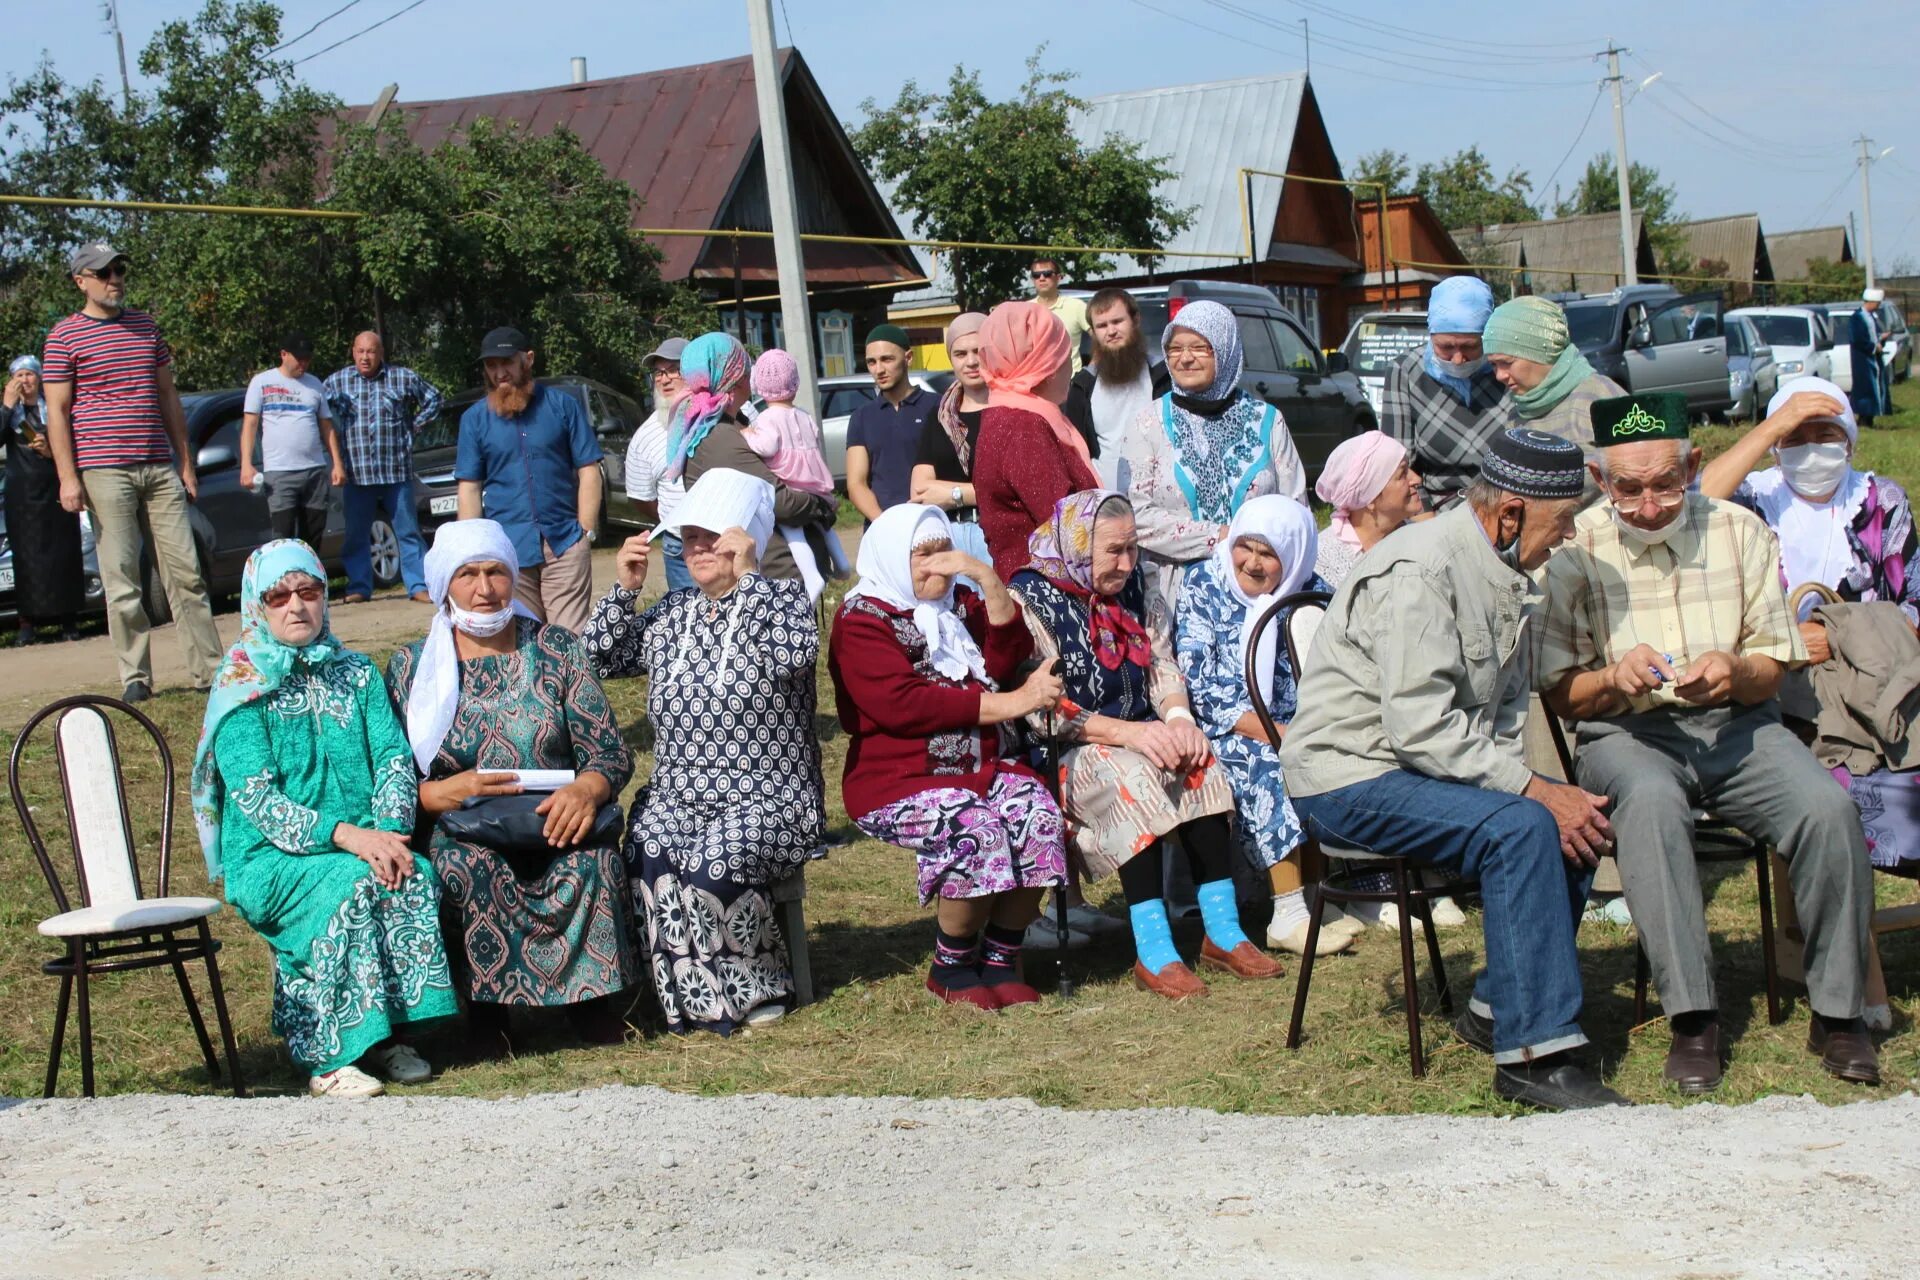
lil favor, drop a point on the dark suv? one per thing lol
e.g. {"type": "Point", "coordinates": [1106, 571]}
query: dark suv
{"type": "Point", "coordinates": [1322, 401]}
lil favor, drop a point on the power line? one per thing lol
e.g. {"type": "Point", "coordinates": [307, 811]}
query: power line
{"type": "Point", "coordinates": [363, 31]}
{"type": "Point", "coordinates": [1599, 91]}
{"type": "Point", "coordinates": [1429, 39]}
{"type": "Point", "coordinates": [786, 18]}
{"type": "Point", "coordinates": [1770, 147]}
{"type": "Point", "coordinates": [1378, 56]}
{"type": "Point", "coordinates": [315, 27]}
{"type": "Point", "coordinates": [1730, 145]}
{"type": "Point", "coordinates": [1814, 217]}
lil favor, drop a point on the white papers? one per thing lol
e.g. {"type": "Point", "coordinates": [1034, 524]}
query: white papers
{"type": "Point", "coordinates": [542, 779]}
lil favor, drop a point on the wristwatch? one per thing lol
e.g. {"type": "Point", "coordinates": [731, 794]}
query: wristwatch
{"type": "Point", "coordinates": [957, 495]}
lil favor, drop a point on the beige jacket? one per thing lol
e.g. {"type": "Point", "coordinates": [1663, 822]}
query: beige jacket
{"type": "Point", "coordinates": [1423, 663]}
{"type": "Point", "coordinates": [1869, 690]}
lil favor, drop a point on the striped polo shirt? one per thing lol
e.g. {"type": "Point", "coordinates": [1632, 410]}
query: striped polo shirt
{"type": "Point", "coordinates": [116, 399]}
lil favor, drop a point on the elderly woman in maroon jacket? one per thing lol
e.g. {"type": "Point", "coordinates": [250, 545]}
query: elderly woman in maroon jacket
{"type": "Point", "coordinates": [920, 669]}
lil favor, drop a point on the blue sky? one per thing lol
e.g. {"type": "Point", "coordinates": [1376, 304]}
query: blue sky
{"type": "Point", "coordinates": [1755, 110]}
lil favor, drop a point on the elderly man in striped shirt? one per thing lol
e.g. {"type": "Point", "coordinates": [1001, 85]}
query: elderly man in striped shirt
{"type": "Point", "coordinates": [1665, 638]}
{"type": "Point", "coordinates": [119, 438]}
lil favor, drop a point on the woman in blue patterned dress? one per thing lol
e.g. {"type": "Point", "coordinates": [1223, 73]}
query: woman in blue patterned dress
{"type": "Point", "coordinates": [735, 801]}
{"type": "Point", "coordinates": [303, 793]}
{"type": "Point", "coordinates": [1269, 553]}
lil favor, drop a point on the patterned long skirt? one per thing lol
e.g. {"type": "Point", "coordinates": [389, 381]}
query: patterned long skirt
{"type": "Point", "coordinates": [1118, 803]}
{"type": "Point", "coordinates": [352, 962]}
{"type": "Point", "coordinates": [538, 931]}
{"type": "Point", "coordinates": [974, 846]}
{"type": "Point", "coordinates": [1889, 806]}
{"type": "Point", "coordinates": [701, 882]}
{"type": "Point", "coordinates": [1268, 828]}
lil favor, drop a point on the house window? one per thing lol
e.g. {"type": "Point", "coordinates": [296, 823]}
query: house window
{"type": "Point", "coordinates": [836, 343]}
{"type": "Point", "coordinates": [1303, 301]}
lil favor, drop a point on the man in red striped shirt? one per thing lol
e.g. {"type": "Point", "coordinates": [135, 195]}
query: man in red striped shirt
{"type": "Point", "coordinates": [118, 432]}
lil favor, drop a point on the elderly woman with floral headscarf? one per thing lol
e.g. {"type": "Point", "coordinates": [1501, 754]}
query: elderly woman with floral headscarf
{"type": "Point", "coordinates": [1370, 483]}
{"type": "Point", "coordinates": [500, 708]}
{"type": "Point", "coordinates": [1136, 767]}
{"type": "Point", "coordinates": [1028, 456]}
{"type": "Point", "coordinates": [735, 802]}
{"type": "Point", "coordinates": [706, 433]}
{"type": "Point", "coordinates": [943, 474]}
{"type": "Point", "coordinates": [921, 670]}
{"type": "Point", "coordinates": [1550, 386]}
{"type": "Point", "coordinates": [1200, 451]}
{"type": "Point", "coordinates": [49, 580]}
{"type": "Point", "coordinates": [303, 792]}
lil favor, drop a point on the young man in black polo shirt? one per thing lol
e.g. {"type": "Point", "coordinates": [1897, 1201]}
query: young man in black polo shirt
{"type": "Point", "coordinates": [883, 436]}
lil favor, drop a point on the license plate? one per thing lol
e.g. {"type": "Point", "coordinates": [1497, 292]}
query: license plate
{"type": "Point", "coordinates": [6, 579]}
{"type": "Point", "coordinates": [444, 506]}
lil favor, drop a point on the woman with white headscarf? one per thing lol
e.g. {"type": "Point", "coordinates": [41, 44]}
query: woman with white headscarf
{"type": "Point", "coordinates": [1267, 555]}
{"type": "Point", "coordinates": [530, 861]}
{"type": "Point", "coordinates": [736, 801]}
{"type": "Point", "coordinates": [921, 670]}
{"type": "Point", "coordinates": [1198, 453]}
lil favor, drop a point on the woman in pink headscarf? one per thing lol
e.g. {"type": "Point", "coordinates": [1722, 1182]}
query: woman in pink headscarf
{"type": "Point", "coordinates": [1370, 483]}
{"type": "Point", "coordinates": [1028, 456]}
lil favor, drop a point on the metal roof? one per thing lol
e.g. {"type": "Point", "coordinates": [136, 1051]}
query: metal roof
{"type": "Point", "coordinates": [1581, 253]}
{"type": "Point", "coordinates": [1735, 240]}
{"type": "Point", "coordinates": [1207, 132]}
{"type": "Point", "coordinates": [1791, 251]}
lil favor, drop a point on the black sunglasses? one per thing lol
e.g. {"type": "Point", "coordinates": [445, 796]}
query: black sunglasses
{"type": "Point", "coordinates": [1043, 275]}
{"type": "Point", "coordinates": [112, 271]}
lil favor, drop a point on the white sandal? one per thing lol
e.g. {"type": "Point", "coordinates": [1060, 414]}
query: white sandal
{"type": "Point", "coordinates": [347, 1082]}
{"type": "Point", "coordinates": [400, 1063]}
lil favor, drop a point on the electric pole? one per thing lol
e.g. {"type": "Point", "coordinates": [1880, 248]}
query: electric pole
{"type": "Point", "coordinates": [1629, 273]}
{"type": "Point", "coordinates": [120, 43]}
{"type": "Point", "coordinates": [796, 321]}
{"type": "Point", "coordinates": [1866, 207]}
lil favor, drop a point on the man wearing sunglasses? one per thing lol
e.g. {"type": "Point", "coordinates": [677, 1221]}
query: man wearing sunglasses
{"type": "Point", "coordinates": [1045, 274]}
{"type": "Point", "coordinates": [1665, 638]}
{"type": "Point", "coordinates": [119, 440]}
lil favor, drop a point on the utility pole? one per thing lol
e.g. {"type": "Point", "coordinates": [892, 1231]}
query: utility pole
{"type": "Point", "coordinates": [795, 318]}
{"type": "Point", "coordinates": [1628, 264]}
{"type": "Point", "coordinates": [1866, 206]}
{"type": "Point", "coordinates": [1306, 36]}
{"type": "Point", "coordinates": [120, 43]}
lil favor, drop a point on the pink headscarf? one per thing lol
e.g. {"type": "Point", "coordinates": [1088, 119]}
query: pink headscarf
{"type": "Point", "coordinates": [1022, 344]}
{"type": "Point", "coordinates": [1355, 474]}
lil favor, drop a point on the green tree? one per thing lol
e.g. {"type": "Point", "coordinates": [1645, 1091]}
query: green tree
{"type": "Point", "coordinates": [1463, 191]}
{"type": "Point", "coordinates": [1826, 281]}
{"type": "Point", "coordinates": [969, 168]}
{"type": "Point", "coordinates": [1388, 167]}
{"type": "Point", "coordinates": [1598, 191]}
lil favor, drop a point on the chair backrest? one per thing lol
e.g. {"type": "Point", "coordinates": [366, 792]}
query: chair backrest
{"type": "Point", "coordinates": [94, 796]}
{"type": "Point", "coordinates": [1308, 609]}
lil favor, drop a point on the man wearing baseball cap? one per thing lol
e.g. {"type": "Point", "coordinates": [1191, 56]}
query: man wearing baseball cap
{"type": "Point", "coordinates": [657, 494]}
{"type": "Point", "coordinates": [286, 413]}
{"type": "Point", "coordinates": [528, 459]}
{"type": "Point", "coordinates": [119, 440]}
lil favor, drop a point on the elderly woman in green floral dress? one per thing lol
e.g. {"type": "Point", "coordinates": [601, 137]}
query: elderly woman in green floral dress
{"type": "Point", "coordinates": [303, 790]}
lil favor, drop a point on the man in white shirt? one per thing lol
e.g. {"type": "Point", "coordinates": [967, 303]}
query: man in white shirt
{"type": "Point", "coordinates": [1123, 381]}
{"type": "Point", "coordinates": [657, 496]}
{"type": "Point", "coordinates": [286, 414]}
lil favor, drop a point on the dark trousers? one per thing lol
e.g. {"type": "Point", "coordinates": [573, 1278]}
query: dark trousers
{"type": "Point", "coordinates": [297, 504]}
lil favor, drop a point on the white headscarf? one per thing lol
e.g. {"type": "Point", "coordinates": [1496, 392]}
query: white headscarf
{"type": "Point", "coordinates": [1813, 535]}
{"type": "Point", "coordinates": [1287, 527]}
{"type": "Point", "coordinates": [436, 685]}
{"type": "Point", "coordinates": [723, 499]}
{"type": "Point", "coordinates": [886, 577]}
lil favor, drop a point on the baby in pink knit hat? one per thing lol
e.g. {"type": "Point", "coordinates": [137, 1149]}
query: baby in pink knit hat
{"type": "Point", "coordinates": [788, 439]}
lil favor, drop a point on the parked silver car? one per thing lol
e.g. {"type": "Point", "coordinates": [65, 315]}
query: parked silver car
{"type": "Point", "coordinates": [1798, 336]}
{"type": "Point", "coordinates": [1752, 375]}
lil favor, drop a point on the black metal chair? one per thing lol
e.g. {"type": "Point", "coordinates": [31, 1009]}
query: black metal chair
{"type": "Point", "coordinates": [1304, 611]}
{"type": "Point", "coordinates": [1714, 840]}
{"type": "Point", "coordinates": [117, 927]}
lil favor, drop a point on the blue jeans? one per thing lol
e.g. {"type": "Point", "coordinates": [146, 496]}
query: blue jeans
{"type": "Point", "coordinates": [1531, 896]}
{"type": "Point", "coordinates": [676, 567]}
{"type": "Point", "coordinates": [361, 502]}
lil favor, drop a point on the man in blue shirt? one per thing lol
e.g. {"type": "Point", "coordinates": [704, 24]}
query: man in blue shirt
{"type": "Point", "coordinates": [883, 436]}
{"type": "Point", "coordinates": [376, 407]}
{"type": "Point", "coordinates": [528, 459]}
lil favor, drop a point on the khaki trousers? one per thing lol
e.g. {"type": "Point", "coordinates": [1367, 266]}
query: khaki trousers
{"type": "Point", "coordinates": [560, 590]}
{"type": "Point", "coordinates": [118, 497]}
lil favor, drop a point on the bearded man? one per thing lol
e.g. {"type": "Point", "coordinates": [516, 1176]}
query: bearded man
{"type": "Point", "coordinates": [528, 459]}
{"type": "Point", "coordinates": [1104, 399]}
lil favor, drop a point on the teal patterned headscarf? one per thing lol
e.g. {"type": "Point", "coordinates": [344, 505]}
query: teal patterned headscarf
{"type": "Point", "coordinates": [255, 666]}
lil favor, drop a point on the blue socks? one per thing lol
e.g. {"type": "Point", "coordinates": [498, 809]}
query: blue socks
{"type": "Point", "coordinates": [1220, 909]}
{"type": "Point", "coordinates": [1152, 937]}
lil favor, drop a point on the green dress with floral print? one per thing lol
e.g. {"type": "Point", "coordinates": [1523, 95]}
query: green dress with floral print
{"type": "Point", "coordinates": [353, 962]}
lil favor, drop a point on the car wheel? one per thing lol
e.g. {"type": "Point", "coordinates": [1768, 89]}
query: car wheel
{"type": "Point", "coordinates": [385, 545]}
{"type": "Point", "coordinates": [153, 590]}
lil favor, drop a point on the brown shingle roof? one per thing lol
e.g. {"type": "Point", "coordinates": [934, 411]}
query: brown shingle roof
{"type": "Point", "coordinates": [1791, 251]}
{"type": "Point", "coordinates": [1580, 253]}
{"type": "Point", "coordinates": [1735, 240]}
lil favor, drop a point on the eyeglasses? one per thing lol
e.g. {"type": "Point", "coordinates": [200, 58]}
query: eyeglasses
{"type": "Point", "coordinates": [112, 271]}
{"type": "Point", "coordinates": [1631, 497]}
{"type": "Point", "coordinates": [1044, 275]}
{"type": "Point", "coordinates": [1190, 351]}
{"type": "Point", "coordinates": [277, 597]}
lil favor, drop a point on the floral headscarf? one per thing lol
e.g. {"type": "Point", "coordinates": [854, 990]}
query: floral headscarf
{"type": "Point", "coordinates": [711, 366]}
{"type": "Point", "coordinates": [255, 666]}
{"type": "Point", "coordinates": [1061, 551]}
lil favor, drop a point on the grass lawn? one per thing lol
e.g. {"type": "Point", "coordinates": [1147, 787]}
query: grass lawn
{"type": "Point", "coordinates": [875, 1031]}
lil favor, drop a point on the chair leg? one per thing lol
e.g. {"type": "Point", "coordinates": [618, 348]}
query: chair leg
{"type": "Point", "coordinates": [1409, 987]}
{"type": "Point", "coordinates": [59, 1034]}
{"type": "Point", "coordinates": [1424, 906]}
{"type": "Point", "coordinates": [81, 977]}
{"type": "Point", "coordinates": [1642, 975]}
{"type": "Point", "coordinates": [1304, 979]}
{"type": "Point", "coordinates": [1769, 960]}
{"type": "Point", "coordinates": [199, 1023]}
{"type": "Point", "coordinates": [220, 1014]}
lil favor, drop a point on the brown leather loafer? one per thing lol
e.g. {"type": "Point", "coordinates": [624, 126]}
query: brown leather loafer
{"type": "Point", "coordinates": [1693, 1063]}
{"type": "Point", "coordinates": [421, 597]}
{"type": "Point", "coordinates": [1244, 961]}
{"type": "Point", "coordinates": [1175, 982]}
{"type": "Point", "coordinates": [353, 599]}
{"type": "Point", "coordinates": [1847, 1055]}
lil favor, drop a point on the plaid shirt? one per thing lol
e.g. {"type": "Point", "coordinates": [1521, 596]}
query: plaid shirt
{"type": "Point", "coordinates": [1443, 437]}
{"type": "Point", "coordinates": [376, 418]}
{"type": "Point", "coordinates": [1713, 585]}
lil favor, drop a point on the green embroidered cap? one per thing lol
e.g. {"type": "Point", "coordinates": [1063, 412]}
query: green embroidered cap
{"type": "Point", "coordinates": [1658, 415]}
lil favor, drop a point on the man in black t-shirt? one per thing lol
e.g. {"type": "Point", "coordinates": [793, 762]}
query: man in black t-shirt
{"type": "Point", "coordinates": [883, 436]}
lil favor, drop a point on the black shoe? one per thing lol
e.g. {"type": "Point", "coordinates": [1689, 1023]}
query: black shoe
{"type": "Point", "coordinates": [136, 692]}
{"type": "Point", "coordinates": [1846, 1054]}
{"type": "Point", "coordinates": [1554, 1083]}
{"type": "Point", "coordinates": [1475, 1030]}
{"type": "Point", "coordinates": [1693, 1061]}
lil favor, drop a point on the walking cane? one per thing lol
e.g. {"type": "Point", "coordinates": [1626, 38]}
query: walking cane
{"type": "Point", "coordinates": [1066, 853]}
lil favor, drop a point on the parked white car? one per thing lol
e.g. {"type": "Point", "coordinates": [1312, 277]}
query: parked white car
{"type": "Point", "coordinates": [1798, 339]}
{"type": "Point", "coordinates": [1376, 340]}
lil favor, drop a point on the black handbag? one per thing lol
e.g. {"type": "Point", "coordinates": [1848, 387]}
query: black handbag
{"type": "Point", "coordinates": [508, 824]}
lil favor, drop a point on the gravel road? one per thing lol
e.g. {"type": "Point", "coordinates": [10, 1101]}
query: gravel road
{"type": "Point", "coordinates": [625, 1181]}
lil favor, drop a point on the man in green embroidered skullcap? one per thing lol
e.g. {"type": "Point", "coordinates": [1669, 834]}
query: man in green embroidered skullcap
{"type": "Point", "coordinates": [1665, 638]}
{"type": "Point", "coordinates": [1550, 385]}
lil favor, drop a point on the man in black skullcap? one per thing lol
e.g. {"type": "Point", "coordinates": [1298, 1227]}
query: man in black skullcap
{"type": "Point", "coordinates": [1409, 742]}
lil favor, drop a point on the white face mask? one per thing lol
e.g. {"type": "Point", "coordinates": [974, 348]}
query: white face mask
{"type": "Point", "coordinates": [1815, 470]}
{"type": "Point", "coordinates": [479, 625]}
{"type": "Point", "coordinates": [1651, 537]}
{"type": "Point", "coordinates": [1465, 368]}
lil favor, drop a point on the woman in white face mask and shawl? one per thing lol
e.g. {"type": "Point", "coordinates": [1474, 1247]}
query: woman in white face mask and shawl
{"type": "Point", "coordinates": [735, 801]}
{"type": "Point", "coordinates": [490, 692]}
